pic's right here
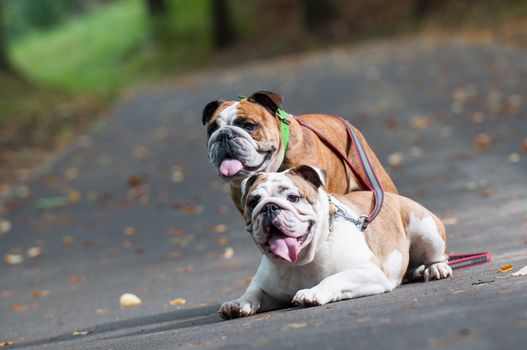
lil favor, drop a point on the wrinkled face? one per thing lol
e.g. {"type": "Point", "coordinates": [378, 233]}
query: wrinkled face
{"type": "Point", "coordinates": [285, 215]}
{"type": "Point", "coordinates": [243, 138]}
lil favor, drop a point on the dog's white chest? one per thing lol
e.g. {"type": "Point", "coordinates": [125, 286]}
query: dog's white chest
{"type": "Point", "coordinates": [344, 249]}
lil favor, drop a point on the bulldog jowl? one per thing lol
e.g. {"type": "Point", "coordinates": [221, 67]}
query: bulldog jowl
{"type": "Point", "coordinates": [285, 235]}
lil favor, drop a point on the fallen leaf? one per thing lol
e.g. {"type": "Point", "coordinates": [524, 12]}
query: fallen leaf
{"type": "Point", "coordinates": [524, 144]}
{"type": "Point", "coordinates": [487, 192]}
{"type": "Point", "coordinates": [141, 152]}
{"type": "Point", "coordinates": [451, 221]}
{"type": "Point", "coordinates": [37, 293]}
{"type": "Point", "coordinates": [223, 241]}
{"type": "Point", "coordinates": [419, 122]}
{"type": "Point", "coordinates": [83, 332]}
{"type": "Point", "coordinates": [177, 301]}
{"type": "Point", "coordinates": [505, 268]}
{"type": "Point", "coordinates": [391, 123]}
{"type": "Point", "coordinates": [34, 252]}
{"type": "Point", "coordinates": [5, 226]}
{"type": "Point", "coordinates": [18, 307]}
{"type": "Point", "coordinates": [134, 181]}
{"type": "Point", "coordinates": [482, 142]}
{"type": "Point", "coordinates": [520, 272]}
{"type": "Point", "coordinates": [74, 196]}
{"type": "Point", "coordinates": [190, 208]}
{"type": "Point", "coordinates": [514, 157]}
{"type": "Point", "coordinates": [76, 279]}
{"type": "Point", "coordinates": [220, 228]}
{"type": "Point", "coordinates": [129, 231]}
{"type": "Point", "coordinates": [7, 293]}
{"type": "Point", "coordinates": [5, 344]}
{"type": "Point", "coordinates": [175, 232]}
{"type": "Point", "coordinates": [395, 159]}
{"type": "Point", "coordinates": [129, 300]}
{"type": "Point", "coordinates": [177, 175]}
{"type": "Point", "coordinates": [223, 209]}
{"type": "Point", "coordinates": [68, 240]}
{"type": "Point", "coordinates": [363, 319]}
{"type": "Point", "coordinates": [290, 326]}
{"type": "Point", "coordinates": [477, 117]}
{"type": "Point", "coordinates": [229, 253]}
{"type": "Point", "coordinates": [13, 259]}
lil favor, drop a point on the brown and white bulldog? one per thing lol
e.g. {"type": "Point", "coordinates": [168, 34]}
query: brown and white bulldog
{"type": "Point", "coordinates": [244, 138]}
{"type": "Point", "coordinates": [313, 253]}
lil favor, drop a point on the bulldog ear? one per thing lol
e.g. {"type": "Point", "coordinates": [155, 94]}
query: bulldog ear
{"type": "Point", "coordinates": [209, 110]}
{"type": "Point", "coordinates": [313, 175]}
{"type": "Point", "coordinates": [270, 100]}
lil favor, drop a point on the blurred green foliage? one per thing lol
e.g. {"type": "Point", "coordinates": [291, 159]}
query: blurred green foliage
{"type": "Point", "coordinates": [101, 46]}
{"type": "Point", "coordinates": [114, 45]}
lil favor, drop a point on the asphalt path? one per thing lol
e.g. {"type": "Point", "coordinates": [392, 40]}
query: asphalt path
{"type": "Point", "coordinates": [134, 206]}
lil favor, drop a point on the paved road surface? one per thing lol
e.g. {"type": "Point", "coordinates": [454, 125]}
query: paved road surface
{"type": "Point", "coordinates": [135, 207]}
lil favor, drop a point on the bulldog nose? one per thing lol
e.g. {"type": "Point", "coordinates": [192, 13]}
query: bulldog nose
{"type": "Point", "coordinates": [271, 208]}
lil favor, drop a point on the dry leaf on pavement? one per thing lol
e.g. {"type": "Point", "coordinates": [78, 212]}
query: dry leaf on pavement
{"type": "Point", "coordinates": [83, 332]}
{"type": "Point", "coordinates": [177, 301]}
{"type": "Point", "coordinates": [506, 268]}
{"type": "Point", "coordinates": [229, 253]}
{"type": "Point", "coordinates": [129, 300]}
{"type": "Point", "coordinates": [290, 326]}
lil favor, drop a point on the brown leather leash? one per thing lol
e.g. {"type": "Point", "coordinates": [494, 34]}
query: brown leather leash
{"type": "Point", "coordinates": [456, 261]}
{"type": "Point", "coordinates": [371, 182]}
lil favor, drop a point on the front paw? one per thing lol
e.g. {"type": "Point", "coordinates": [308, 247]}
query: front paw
{"type": "Point", "coordinates": [236, 308]}
{"type": "Point", "coordinates": [437, 271]}
{"type": "Point", "coordinates": [311, 297]}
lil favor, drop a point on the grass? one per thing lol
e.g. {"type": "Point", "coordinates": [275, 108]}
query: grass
{"type": "Point", "coordinates": [114, 46]}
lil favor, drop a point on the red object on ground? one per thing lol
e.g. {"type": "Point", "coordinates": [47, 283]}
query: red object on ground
{"type": "Point", "coordinates": [459, 261]}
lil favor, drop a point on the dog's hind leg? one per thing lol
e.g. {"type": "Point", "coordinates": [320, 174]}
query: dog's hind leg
{"type": "Point", "coordinates": [428, 259]}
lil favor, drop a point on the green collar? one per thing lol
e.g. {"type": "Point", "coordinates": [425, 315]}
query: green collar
{"type": "Point", "coordinates": [284, 125]}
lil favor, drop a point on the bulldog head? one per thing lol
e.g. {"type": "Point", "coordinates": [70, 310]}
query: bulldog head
{"type": "Point", "coordinates": [287, 213]}
{"type": "Point", "coordinates": [244, 137]}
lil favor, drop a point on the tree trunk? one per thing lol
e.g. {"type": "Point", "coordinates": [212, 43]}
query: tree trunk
{"type": "Point", "coordinates": [5, 66]}
{"type": "Point", "coordinates": [156, 8]}
{"type": "Point", "coordinates": [317, 13]}
{"type": "Point", "coordinates": [222, 25]}
{"type": "Point", "coordinates": [423, 8]}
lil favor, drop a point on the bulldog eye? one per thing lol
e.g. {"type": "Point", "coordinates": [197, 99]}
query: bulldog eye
{"type": "Point", "coordinates": [253, 203]}
{"type": "Point", "coordinates": [293, 198]}
{"type": "Point", "coordinates": [248, 126]}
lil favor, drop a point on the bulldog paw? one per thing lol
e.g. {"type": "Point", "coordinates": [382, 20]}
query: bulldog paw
{"type": "Point", "coordinates": [437, 271]}
{"type": "Point", "coordinates": [236, 308]}
{"type": "Point", "coordinates": [311, 297]}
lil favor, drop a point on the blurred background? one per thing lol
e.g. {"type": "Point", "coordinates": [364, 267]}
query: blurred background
{"type": "Point", "coordinates": [62, 62]}
{"type": "Point", "coordinates": [105, 186]}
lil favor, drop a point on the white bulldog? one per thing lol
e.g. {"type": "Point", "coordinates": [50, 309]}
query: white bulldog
{"type": "Point", "coordinates": [313, 251]}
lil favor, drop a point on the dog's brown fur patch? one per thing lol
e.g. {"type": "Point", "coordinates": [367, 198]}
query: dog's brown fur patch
{"type": "Point", "coordinates": [306, 148]}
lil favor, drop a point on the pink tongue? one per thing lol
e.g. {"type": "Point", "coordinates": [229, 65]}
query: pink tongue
{"type": "Point", "coordinates": [285, 247]}
{"type": "Point", "coordinates": [230, 167]}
